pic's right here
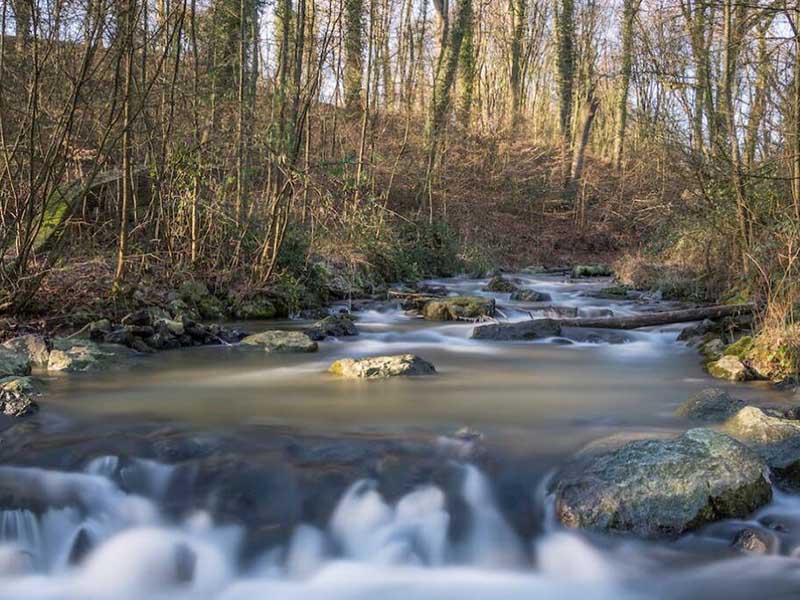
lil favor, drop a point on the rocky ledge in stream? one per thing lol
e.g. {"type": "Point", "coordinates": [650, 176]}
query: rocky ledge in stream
{"type": "Point", "coordinates": [143, 331]}
{"type": "Point", "coordinates": [382, 367]}
{"type": "Point", "coordinates": [661, 488]}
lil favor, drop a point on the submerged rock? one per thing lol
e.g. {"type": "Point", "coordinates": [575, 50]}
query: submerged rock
{"type": "Point", "coordinates": [522, 330]}
{"type": "Point", "coordinates": [501, 285]}
{"type": "Point", "coordinates": [35, 347]}
{"type": "Point", "coordinates": [379, 367]}
{"type": "Point", "coordinates": [530, 296]}
{"type": "Point", "coordinates": [76, 355]}
{"type": "Point", "coordinates": [282, 341]}
{"type": "Point", "coordinates": [662, 488]}
{"type": "Point", "coordinates": [711, 404]}
{"type": "Point", "coordinates": [457, 308]}
{"type": "Point", "coordinates": [596, 336]}
{"type": "Point", "coordinates": [332, 326]}
{"type": "Point", "coordinates": [16, 397]}
{"type": "Point", "coordinates": [13, 363]}
{"type": "Point", "coordinates": [754, 541]}
{"type": "Point", "coordinates": [730, 368]}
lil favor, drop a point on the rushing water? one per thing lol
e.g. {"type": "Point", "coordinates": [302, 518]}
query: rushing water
{"type": "Point", "coordinates": [229, 473]}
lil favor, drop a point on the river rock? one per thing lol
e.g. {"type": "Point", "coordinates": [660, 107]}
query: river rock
{"type": "Point", "coordinates": [712, 348]}
{"type": "Point", "coordinates": [751, 424]}
{"type": "Point", "coordinates": [696, 331]}
{"type": "Point", "coordinates": [501, 285]}
{"type": "Point", "coordinates": [662, 488]}
{"type": "Point", "coordinates": [457, 308]}
{"type": "Point", "coordinates": [13, 362]}
{"type": "Point", "coordinates": [592, 271]}
{"type": "Point", "coordinates": [256, 308]}
{"type": "Point", "coordinates": [560, 312]}
{"type": "Point", "coordinates": [196, 295]}
{"type": "Point", "coordinates": [76, 355]}
{"type": "Point", "coordinates": [711, 404]}
{"type": "Point", "coordinates": [754, 541]}
{"type": "Point", "coordinates": [16, 397]}
{"type": "Point", "coordinates": [730, 368]}
{"type": "Point", "coordinates": [380, 367]}
{"type": "Point", "coordinates": [282, 341]}
{"type": "Point", "coordinates": [522, 330]}
{"type": "Point", "coordinates": [35, 347]}
{"type": "Point", "coordinates": [530, 296]}
{"type": "Point", "coordinates": [332, 326]}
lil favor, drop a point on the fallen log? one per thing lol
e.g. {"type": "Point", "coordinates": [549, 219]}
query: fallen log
{"type": "Point", "coordinates": [538, 328]}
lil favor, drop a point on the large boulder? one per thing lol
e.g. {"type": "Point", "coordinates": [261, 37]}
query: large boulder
{"type": "Point", "coordinates": [710, 404]}
{"type": "Point", "coordinates": [501, 285]}
{"type": "Point", "coordinates": [14, 363]}
{"type": "Point", "coordinates": [282, 341]}
{"type": "Point", "coordinates": [381, 367]}
{"type": "Point", "coordinates": [77, 355]}
{"type": "Point", "coordinates": [530, 296]}
{"type": "Point", "coordinates": [523, 330]}
{"type": "Point", "coordinates": [730, 368]}
{"type": "Point", "coordinates": [777, 440]}
{"type": "Point", "coordinates": [16, 397]}
{"type": "Point", "coordinates": [662, 488]}
{"type": "Point", "coordinates": [332, 326]}
{"type": "Point", "coordinates": [35, 347]}
{"type": "Point", "coordinates": [457, 308]}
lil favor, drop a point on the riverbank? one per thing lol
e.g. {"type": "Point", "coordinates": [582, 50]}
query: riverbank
{"type": "Point", "coordinates": [228, 469]}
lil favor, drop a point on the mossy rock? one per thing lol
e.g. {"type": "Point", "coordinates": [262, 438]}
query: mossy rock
{"type": "Point", "coordinates": [613, 292]}
{"type": "Point", "coordinates": [730, 368]}
{"type": "Point", "coordinates": [500, 285]}
{"type": "Point", "coordinates": [740, 348]}
{"type": "Point", "coordinates": [196, 295]}
{"type": "Point", "coordinates": [530, 296]}
{"type": "Point", "coordinates": [592, 271]}
{"type": "Point", "coordinates": [458, 308]}
{"type": "Point", "coordinates": [284, 342]}
{"type": "Point", "coordinates": [254, 309]}
{"type": "Point", "coordinates": [14, 363]}
{"type": "Point", "coordinates": [775, 357]}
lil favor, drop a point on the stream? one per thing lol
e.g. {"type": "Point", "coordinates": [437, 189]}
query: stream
{"type": "Point", "coordinates": [229, 473]}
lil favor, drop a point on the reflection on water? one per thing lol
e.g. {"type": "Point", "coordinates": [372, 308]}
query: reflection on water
{"type": "Point", "coordinates": [126, 527]}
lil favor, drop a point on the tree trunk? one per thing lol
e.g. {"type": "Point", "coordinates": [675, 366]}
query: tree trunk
{"type": "Point", "coordinates": [354, 53]}
{"type": "Point", "coordinates": [523, 329]}
{"type": "Point", "coordinates": [565, 76]}
{"type": "Point", "coordinates": [628, 18]}
{"type": "Point", "coordinates": [518, 27]}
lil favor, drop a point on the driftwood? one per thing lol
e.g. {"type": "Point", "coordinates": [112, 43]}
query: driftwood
{"type": "Point", "coordinates": [542, 328]}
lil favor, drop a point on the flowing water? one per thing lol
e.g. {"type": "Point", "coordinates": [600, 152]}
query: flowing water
{"type": "Point", "coordinates": [229, 473]}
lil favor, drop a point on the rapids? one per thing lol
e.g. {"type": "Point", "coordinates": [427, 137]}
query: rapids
{"type": "Point", "coordinates": [226, 474]}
